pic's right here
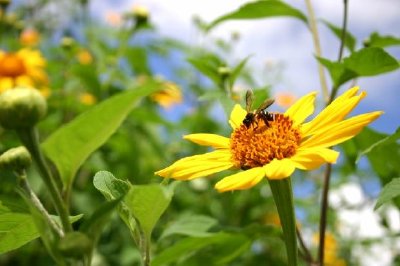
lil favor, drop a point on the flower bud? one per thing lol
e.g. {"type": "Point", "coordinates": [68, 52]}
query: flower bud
{"type": "Point", "coordinates": [21, 108]}
{"type": "Point", "coordinates": [140, 14]}
{"type": "Point", "coordinates": [75, 245]}
{"type": "Point", "coordinates": [224, 71]}
{"type": "Point", "coordinates": [15, 159]}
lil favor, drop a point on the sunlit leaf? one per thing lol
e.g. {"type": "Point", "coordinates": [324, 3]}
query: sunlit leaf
{"type": "Point", "coordinates": [112, 188]}
{"type": "Point", "coordinates": [190, 225]}
{"type": "Point", "coordinates": [376, 40]}
{"type": "Point", "coordinates": [389, 191]}
{"type": "Point", "coordinates": [350, 40]}
{"type": "Point", "coordinates": [261, 9]}
{"type": "Point", "coordinates": [208, 65]}
{"type": "Point", "coordinates": [72, 144]}
{"type": "Point", "coordinates": [365, 62]}
{"type": "Point", "coordinates": [147, 203]}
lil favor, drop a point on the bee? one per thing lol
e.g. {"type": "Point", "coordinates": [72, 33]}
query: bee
{"type": "Point", "coordinates": [252, 116]}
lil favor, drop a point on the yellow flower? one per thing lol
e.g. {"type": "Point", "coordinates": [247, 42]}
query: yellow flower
{"type": "Point", "coordinates": [29, 37]}
{"type": "Point", "coordinates": [84, 57]}
{"type": "Point", "coordinates": [22, 68]}
{"type": "Point", "coordinates": [168, 96]}
{"type": "Point", "coordinates": [331, 250]}
{"type": "Point", "coordinates": [87, 98]}
{"type": "Point", "coordinates": [275, 148]}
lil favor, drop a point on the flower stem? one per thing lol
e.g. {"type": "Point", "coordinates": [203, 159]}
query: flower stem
{"type": "Point", "coordinates": [29, 138]}
{"type": "Point", "coordinates": [317, 47]}
{"type": "Point", "coordinates": [328, 170]}
{"type": "Point", "coordinates": [283, 197]}
{"type": "Point", "coordinates": [342, 44]}
{"type": "Point", "coordinates": [24, 184]}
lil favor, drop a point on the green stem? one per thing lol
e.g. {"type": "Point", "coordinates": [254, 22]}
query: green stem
{"type": "Point", "coordinates": [283, 197]}
{"type": "Point", "coordinates": [328, 171]}
{"type": "Point", "coordinates": [317, 47]}
{"type": "Point", "coordinates": [26, 188]}
{"type": "Point", "coordinates": [29, 138]}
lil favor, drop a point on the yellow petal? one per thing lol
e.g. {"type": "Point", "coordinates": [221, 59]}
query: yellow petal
{"type": "Point", "coordinates": [301, 109]}
{"type": "Point", "coordinates": [340, 132]}
{"type": "Point", "coordinates": [309, 159]}
{"type": "Point", "coordinates": [198, 165]}
{"type": "Point", "coordinates": [241, 180]}
{"type": "Point", "coordinates": [279, 169]}
{"type": "Point", "coordinates": [237, 116]}
{"type": "Point", "coordinates": [334, 112]}
{"type": "Point", "coordinates": [215, 141]}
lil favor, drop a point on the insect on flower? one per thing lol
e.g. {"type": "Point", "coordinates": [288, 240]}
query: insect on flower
{"type": "Point", "coordinates": [252, 117]}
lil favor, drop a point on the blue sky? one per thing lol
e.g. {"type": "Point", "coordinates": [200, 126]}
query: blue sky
{"type": "Point", "coordinates": [286, 41]}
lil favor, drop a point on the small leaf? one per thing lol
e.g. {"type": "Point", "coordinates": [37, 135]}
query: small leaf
{"type": "Point", "coordinates": [72, 144]}
{"type": "Point", "coordinates": [389, 191]}
{"type": "Point", "coordinates": [376, 40]}
{"type": "Point", "coordinates": [236, 71]}
{"type": "Point", "coordinates": [338, 72]}
{"type": "Point", "coordinates": [208, 65]}
{"type": "Point", "coordinates": [261, 9]}
{"type": "Point", "coordinates": [147, 203]}
{"type": "Point", "coordinates": [112, 188]}
{"type": "Point", "coordinates": [350, 40]}
{"type": "Point", "coordinates": [283, 197]}
{"type": "Point", "coordinates": [190, 225]}
{"type": "Point", "coordinates": [137, 58]}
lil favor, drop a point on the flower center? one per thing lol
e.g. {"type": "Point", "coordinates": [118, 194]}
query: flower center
{"type": "Point", "coordinates": [259, 143]}
{"type": "Point", "coordinates": [11, 66]}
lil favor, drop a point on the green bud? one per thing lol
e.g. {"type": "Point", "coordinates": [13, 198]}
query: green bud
{"type": "Point", "coordinates": [224, 71]}
{"type": "Point", "coordinates": [67, 42]}
{"type": "Point", "coordinates": [367, 42]}
{"type": "Point", "coordinates": [75, 245]}
{"type": "Point", "coordinates": [21, 108]}
{"type": "Point", "coordinates": [15, 159]}
{"type": "Point", "coordinates": [141, 15]}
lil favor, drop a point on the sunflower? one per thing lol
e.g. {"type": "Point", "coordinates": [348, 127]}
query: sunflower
{"type": "Point", "coordinates": [275, 148]}
{"type": "Point", "coordinates": [168, 96]}
{"type": "Point", "coordinates": [22, 68]}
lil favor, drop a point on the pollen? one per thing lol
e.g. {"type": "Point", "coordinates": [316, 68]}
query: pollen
{"type": "Point", "coordinates": [260, 143]}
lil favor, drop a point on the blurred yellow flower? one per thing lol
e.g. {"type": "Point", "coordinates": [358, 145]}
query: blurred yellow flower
{"type": "Point", "coordinates": [168, 96]}
{"type": "Point", "coordinates": [29, 37]}
{"type": "Point", "coordinates": [84, 57]}
{"type": "Point", "coordinates": [331, 250]}
{"type": "Point", "coordinates": [22, 68]}
{"type": "Point", "coordinates": [285, 99]}
{"type": "Point", "coordinates": [87, 98]}
{"type": "Point", "coordinates": [275, 144]}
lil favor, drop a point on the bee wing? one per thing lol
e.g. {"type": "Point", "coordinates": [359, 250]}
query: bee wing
{"type": "Point", "coordinates": [267, 103]}
{"type": "Point", "coordinates": [249, 100]}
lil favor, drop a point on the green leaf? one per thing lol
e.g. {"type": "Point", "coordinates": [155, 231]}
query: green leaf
{"type": "Point", "coordinates": [190, 225]}
{"type": "Point", "coordinates": [365, 62]}
{"type": "Point", "coordinates": [229, 246]}
{"type": "Point", "coordinates": [93, 227]}
{"type": "Point", "coordinates": [370, 62]}
{"type": "Point", "coordinates": [236, 71]}
{"type": "Point", "coordinates": [16, 229]}
{"type": "Point", "coordinates": [208, 65]}
{"type": "Point", "coordinates": [147, 203]}
{"type": "Point", "coordinates": [283, 197]}
{"type": "Point", "coordinates": [137, 58]}
{"type": "Point", "coordinates": [350, 40]}
{"type": "Point", "coordinates": [389, 191]}
{"type": "Point", "coordinates": [376, 40]}
{"type": "Point", "coordinates": [261, 9]}
{"type": "Point", "coordinates": [72, 144]}
{"type": "Point", "coordinates": [111, 187]}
